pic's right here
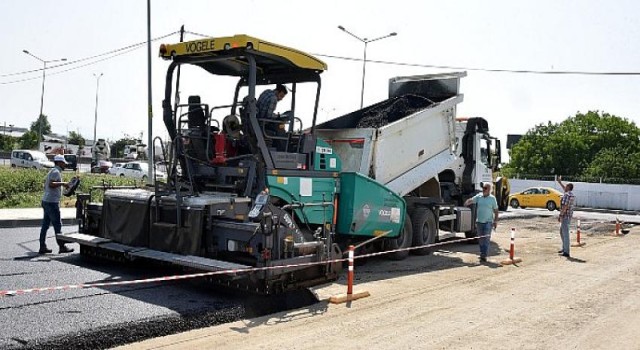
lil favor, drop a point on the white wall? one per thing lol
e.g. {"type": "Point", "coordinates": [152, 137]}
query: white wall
{"type": "Point", "coordinates": [591, 195]}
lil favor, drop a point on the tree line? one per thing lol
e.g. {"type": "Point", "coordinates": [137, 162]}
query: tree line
{"type": "Point", "coordinates": [588, 145]}
{"type": "Point", "coordinates": [29, 140]}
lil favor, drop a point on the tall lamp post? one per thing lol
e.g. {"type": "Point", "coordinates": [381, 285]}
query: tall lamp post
{"type": "Point", "coordinates": [364, 61]}
{"type": "Point", "coordinates": [95, 118]}
{"type": "Point", "coordinates": [44, 69]}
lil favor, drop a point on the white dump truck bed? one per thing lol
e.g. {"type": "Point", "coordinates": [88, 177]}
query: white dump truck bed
{"type": "Point", "coordinates": [401, 142]}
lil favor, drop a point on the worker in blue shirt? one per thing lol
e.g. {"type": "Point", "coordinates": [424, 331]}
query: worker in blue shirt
{"type": "Point", "coordinates": [486, 217]}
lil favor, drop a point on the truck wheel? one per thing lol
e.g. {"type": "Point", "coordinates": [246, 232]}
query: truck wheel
{"type": "Point", "coordinates": [425, 230]}
{"type": "Point", "coordinates": [502, 196]}
{"type": "Point", "coordinates": [472, 234]}
{"type": "Point", "coordinates": [403, 240]}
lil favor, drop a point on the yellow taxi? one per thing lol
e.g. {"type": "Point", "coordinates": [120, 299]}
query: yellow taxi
{"type": "Point", "coordinates": [536, 197]}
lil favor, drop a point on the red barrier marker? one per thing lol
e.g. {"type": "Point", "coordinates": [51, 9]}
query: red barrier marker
{"type": "Point", "coordinates": [350, 273]}
{"type": "Point", "coordinates": [512, 259]}
{"type": "Point", "coordinates": [618, 228]}
{"type": "Point", "coordinates": [341, 298]}
{"type": "Point", "coordinates": [578, 243]}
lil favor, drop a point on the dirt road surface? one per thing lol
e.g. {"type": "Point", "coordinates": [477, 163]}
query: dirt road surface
{"type": "Point", "coordinates": [451, 301]}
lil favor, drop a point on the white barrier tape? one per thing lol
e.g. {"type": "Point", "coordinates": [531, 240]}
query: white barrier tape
{"type": "Point", "coordinates": [419, 247]}
{"type": "Point", "coordinates": [221, 272]}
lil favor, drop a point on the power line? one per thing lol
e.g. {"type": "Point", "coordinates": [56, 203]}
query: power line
{"type": "Point", "coordinates": [491, 70]}
{"type": "Point", "coordinates": [114, 53]}
{"type": "Point", "coordinates": [521, 71]}
{"type": "Point", "coordinates": [72, 68]}
{"type": "Point", "coordinates": [198, 34]}
{"type": "Point", "coordinates": [132, 47]}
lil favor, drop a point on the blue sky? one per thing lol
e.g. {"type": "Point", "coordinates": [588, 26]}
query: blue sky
{"type": "Point", "coordinates": [520, 35]}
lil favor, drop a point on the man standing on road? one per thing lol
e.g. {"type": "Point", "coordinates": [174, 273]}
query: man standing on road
{"type": "Point", "coordinates": [486, 217]}
{"type": "Point", "coordinates": [51, 205]}
{"type": "Point", "coordinates": [567, 204]}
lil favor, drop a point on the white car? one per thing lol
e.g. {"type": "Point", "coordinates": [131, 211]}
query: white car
{"type": "Point", "coordinates": [30, 159]}
{"type": "Point", "coordinates": [137, 170]}
{"type": "Point", "coordinates": [114, 168]}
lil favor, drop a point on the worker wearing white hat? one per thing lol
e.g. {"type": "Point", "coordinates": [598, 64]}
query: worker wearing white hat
{"type": "Point", "coordinates": [51, 205]}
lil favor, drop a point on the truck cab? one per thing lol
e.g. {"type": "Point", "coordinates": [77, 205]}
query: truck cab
{"type": "Point", "coordinates": [479, 159]}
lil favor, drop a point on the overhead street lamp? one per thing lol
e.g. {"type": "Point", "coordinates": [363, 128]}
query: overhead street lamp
{"type": "Point", "coordinates": [364, 61]}
{"type": "Point", "coordinates": [95, 121]}
{"type": "Point", "coordinates": [44, 69]}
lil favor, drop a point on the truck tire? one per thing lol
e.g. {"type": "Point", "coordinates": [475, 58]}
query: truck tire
{"type": "Point", "coordinates": [425, 230]}
{"type": "Point", "coordinates": [502, 197]}
{"type": "Point", "coordinates": [403, 240]}
{"type": "Point", "coordinates": [471, 234]}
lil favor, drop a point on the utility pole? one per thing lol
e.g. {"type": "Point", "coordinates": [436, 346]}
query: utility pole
{"type": "Point", "coordinates": [150, 99]}
{"type": "Point", "coordinates": [44, 69]}
{"type": "Point", "coordinates": [95, 117]}
{"type": "Point", "coordinates": [364, 60]}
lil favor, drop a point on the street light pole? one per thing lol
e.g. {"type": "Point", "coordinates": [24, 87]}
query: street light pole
{"type": "Point", "coordinates": [66, 138]}
{"type": "Point", "coordinates": [44, 69]}
{"type": "Point", "coordinates": [364, 60]}
{"type": "Point", "coordinates": [95, 120]}
{"type": "Point", "coordinates": [151, 178]}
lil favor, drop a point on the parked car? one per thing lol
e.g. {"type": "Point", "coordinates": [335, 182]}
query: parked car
{"type": "Point", "coordinates": [30, 159]}
{"type": "Point", "coordinates": [102, 167]}
{"type": "Point", "coordinates": [72, 161]}
{"type": "Point", "coordinates": [137, 170]}
{"type": "Point", "coordinates": [114, 168]}
{"type": "Point", "coordinates": [536, 197]}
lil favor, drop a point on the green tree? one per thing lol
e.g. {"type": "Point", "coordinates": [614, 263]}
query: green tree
{"type": "Point", "coordinates": [614, 163]}
{"type": "Point", "coordinates": [7, 143]}
{"type": "Point", "coordinates": [76, 139]}
{"type": "Point", "coordinates": [28, 140]}
{"type": "Point", "coordinates": [570, 147]}
{"type": "Point", "coordinates": [46, 127]}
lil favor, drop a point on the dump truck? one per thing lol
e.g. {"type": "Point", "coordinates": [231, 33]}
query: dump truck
{"type": "Point", "coordinates": [271, 202]}
{"type": "Point", "coordinates": [100, 154]}
{"type": "Point", "coordinates": [409, 143]}
{"type": "Point", "coordinates": [137, 151]}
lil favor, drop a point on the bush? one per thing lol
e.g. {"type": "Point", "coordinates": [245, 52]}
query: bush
{"type": "Point", "coordinates": [23, 188]}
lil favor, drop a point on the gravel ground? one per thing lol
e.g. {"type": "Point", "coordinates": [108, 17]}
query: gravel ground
{"type": "Point", "coordinates": [451, 301]}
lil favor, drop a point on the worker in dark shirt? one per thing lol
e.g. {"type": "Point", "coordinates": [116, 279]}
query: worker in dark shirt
{"type": "Point", "coordinates": [268, 100]}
